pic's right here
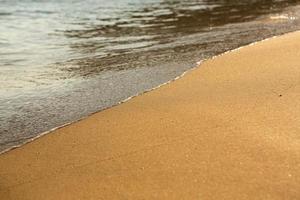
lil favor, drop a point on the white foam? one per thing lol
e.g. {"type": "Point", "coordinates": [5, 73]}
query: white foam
{"type": "Point", "coordinates": [283, 17]}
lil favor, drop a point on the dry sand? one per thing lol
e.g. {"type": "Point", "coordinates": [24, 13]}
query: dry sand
{"type": "Point", "coordinates": [228, 130]}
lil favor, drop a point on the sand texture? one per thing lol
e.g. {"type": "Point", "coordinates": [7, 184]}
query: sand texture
{"type": "Point", "coordinates": [229, 129]}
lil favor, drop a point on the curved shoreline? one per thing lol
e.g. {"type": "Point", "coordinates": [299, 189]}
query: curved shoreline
{"type": "Point", "coordinates": [229, 129]}
{"type": "Point", "coordinates": [138, 94]}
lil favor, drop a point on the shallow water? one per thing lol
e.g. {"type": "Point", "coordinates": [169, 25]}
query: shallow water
{"type": "Point", "coordinates": [61, 60]}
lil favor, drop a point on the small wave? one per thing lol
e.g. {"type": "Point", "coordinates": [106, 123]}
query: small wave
{"type": "Point", "coordinates": [4, 13]}
{"type": "Point", "coordinates": [283, 17]}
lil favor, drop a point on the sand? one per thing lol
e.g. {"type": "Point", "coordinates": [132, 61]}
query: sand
{"type": "Point", "coordinates": [229, 129]}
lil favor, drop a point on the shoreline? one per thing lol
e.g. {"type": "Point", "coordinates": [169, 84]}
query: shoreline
{"type": "Point", "coordinates": [197, 65]}
{"type": "Point", "coordinates": [199, 132]}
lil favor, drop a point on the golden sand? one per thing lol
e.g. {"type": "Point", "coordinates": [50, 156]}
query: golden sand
{"type": "Point", "coordinates": [228, 130]}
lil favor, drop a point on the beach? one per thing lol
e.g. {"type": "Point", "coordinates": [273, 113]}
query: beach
{"type": "Point", "coordinates": [228, 129]}
{"type": "Point", "coordinates": [92, 55]}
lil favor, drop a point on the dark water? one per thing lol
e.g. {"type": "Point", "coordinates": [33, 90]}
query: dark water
{"type": "Point", "coordinates": [61, 60]}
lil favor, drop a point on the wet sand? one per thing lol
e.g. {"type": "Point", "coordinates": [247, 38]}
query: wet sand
{"type": "Point", "coordinates": [229, 129]}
